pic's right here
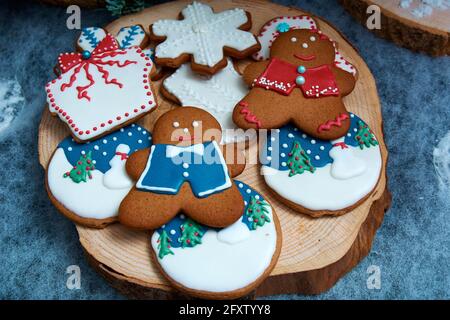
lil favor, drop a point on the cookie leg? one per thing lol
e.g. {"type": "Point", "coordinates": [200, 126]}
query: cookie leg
{"type": "Point", "coordinates": [218, 210]}
{"type": "Point", "coordinates": [147, 210]}
{"type": "Point", "coordinates": [260, 109]}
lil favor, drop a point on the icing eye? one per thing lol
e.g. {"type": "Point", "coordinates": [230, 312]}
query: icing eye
{"type": "Point", "coordinates": [312, 38]}
{"type": "Point", "coordinates": [305, 45]}
{"type": "Point", "coordinates": [176, 124]}
{"type": "Point", "coordinates": [186, 130]}
{"type": "Point", "coordinates": [195, 124]}
{"type": "Point", "coordinates": [293, 39]}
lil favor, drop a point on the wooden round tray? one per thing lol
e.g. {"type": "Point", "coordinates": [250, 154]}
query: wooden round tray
{"type": "Point", "coordinates": [315, 252]}
{"type": "Point", "coordinates": [429, 34]}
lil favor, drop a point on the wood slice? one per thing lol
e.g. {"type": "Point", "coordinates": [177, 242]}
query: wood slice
{"type": "Point", "coordinates": [315, 252]}
{"type": "Point", "coordinates": [429, 34]}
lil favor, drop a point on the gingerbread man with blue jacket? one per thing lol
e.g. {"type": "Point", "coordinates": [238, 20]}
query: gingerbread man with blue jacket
{"type": "Point", "coordinates": [184, 171]}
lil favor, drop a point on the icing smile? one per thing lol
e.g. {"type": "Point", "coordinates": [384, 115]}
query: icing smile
{"type": "Point", "coordinates": [188, 138]}
{"type": "Point", "coordinates": [305, 58]}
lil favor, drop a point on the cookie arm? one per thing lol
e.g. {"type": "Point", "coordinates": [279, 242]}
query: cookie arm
{"type": "Point", "coordinates": [234, 157]}
{"type": "Point", "coordinates": [253, 71]}
{"type": "Point", "coordinates": [136, 163]}
{"type": "Point", "coordinates": [346, 81]}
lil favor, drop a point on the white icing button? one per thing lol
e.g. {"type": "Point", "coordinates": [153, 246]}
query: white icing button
{"type": "Point", "coordinates": [349, 134]}
{"type": "Point", "coordinates": [312, 38]}
{"type": "Point", "coordinates": [317, 157]}
{"type": "Point", "coordinates": [305, 45]}
{"type": "Point", "coordinates": [313, 141]}
{"type": "Point", "coordinates": [69, 148]}
{"type": "Point", "coordinates": [269, 148]}
{"type": "Point", "coordinates": [185, 130]}
{"type": "Point", "coordinates": [272, 139]}
{"type": "Point", "coordinates": [245, 202]}
{"type": "Point", "coordinates": [356, 130]}
{"type": "Point", "coordinates": [257, 197]}
{"type": "Point", "coordinates": [283, 155]}
{"type": "Point", "coordinates": [83, 152]}
{"type": "Point", "coordinates": [139, 141]}
{"type": "Point", "coordinates": [144, 132]}
{"type": "Point", "coordinates": [308, 151]}
{"type": "Point", "coordinates": [176, 124]}
{"type": "Point", "coordinates": [352, 116]}
{"type": "Point", "coordinates": [240, 185]}
{"type": "Point", "coordinates": [182, 216]}
{"type": "Point", "coordinates": [114, 139]}
{"type": "Point", "coordinates": [172, 232]}
{"type": "Point", "coordinates": [94, 162]}
{"type": "Point", "coordinates": [105, 141]}
{"type": "Point", "coordinates": [185, 174]}
{"type": "Point", "coordinates": [304, 136]}
{"type": "Point", "coordinates": [283, 164]}
{"type": "Point", "coordinates": [248, 191]}
{"type": "Point", "coordinates": [130, 134]}
{"type": "Point", "coordinates": [322, 148]}
{"type": "Point", "coordinates": [285, 145]}
{"type": "Point", "coordinates": [139, 128]}
{"type": "Point", "coordinates": [185, 165]}
{"type": "Point", "coordinates": [269, 158]}
{"type": "Point", "coordinates": [290, 135]}
{"type": "Point", "coordinates": [195, 124]}
{"type": "Point", "coordinates": [249, 219]}
{"type": "Point", "coordinates": [293, 39]}
{"type": "Point", "coordinates": [104, 153]}
{"type": "Point", "coordinates": [122, 130]}
{"type": "Point", "coordinates": [133, 125]}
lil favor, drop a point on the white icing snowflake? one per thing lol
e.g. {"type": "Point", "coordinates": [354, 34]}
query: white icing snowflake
{"type": "Point", "coordinates": [203, 34]}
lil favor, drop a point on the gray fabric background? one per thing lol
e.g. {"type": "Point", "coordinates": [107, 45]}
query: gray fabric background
{"type": "Point", "coordinates": [411, 248]}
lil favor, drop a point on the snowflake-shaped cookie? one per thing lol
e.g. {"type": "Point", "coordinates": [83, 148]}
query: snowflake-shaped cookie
{"type": "Point", "coordinates": [205, 36]}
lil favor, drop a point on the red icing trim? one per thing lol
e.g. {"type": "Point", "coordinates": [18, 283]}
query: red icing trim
{"type": "Point", "coordinates": [248, 116]}
{"type": "Point", "coordinates": [123, 155]}
{"type": "Point", "coordinates": [340, 144]}
{"type": "Point", "coordinates": [337, 123]}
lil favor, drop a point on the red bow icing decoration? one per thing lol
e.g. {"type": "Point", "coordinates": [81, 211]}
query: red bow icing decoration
{"type": "Point", "coordinates": [107, 48]}
{"type": "Point", "coordinates": [283, 77]}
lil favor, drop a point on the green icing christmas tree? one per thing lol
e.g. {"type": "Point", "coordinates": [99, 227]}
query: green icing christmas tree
{"type": "Point", "coordinates": [81, 170]}
{"type": "Point", "coordinates": [164, 245]}
{"type": "Point", "coordinates": [298, 160]}
{"type": "Point", "coordinates": [191, 234]}
{"type": "Point", "coordinates": [258, 212]}
{"type": "Point", "coordinates": [121, 7]}
{"type": "Point", "coordinates": [365, 136]}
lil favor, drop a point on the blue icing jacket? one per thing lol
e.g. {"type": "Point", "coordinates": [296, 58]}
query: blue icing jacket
{"type": "Point", "coordinates": [173, 227]}
{"type": "Point", "coordinates": [280, 142]}
{"type": "Point", "coordinates": [169, 166]}
{"type": "Point", "coordinates": [103, 149]}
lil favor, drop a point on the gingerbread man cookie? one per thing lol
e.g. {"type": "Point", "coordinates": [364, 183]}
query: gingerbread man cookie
{"type": "Point", "coordinates": [300, 83]}
{"type": "Point", "coordinates": [184, 171]}
{"type": "Point", "coordinates": [203, 37]}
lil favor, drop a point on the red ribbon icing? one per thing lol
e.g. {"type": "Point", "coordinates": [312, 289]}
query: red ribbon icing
{"type": "Point", "coordinates": [123, 155]}
{"type": "Point", "coordinates": [248, 116]}
{"type": "Point", "coordinates": [107, 48]}
{"type": "Point", "coordinates": [280, 76]}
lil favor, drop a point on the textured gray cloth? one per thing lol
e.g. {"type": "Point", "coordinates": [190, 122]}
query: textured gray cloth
{"type": "Point", "coordinates": [38, 244]}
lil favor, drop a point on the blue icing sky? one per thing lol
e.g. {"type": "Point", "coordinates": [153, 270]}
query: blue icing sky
{"type": "Point", "coordinates": [173, 226]}
{"type": "Point", "coordinates": [104, 149]}
{"type": "Point", "coordinates": [280, 142]}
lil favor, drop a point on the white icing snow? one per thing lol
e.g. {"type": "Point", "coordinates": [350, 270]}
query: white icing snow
{"type": "Point", "coordinates": [11, 102]}
{"type": "Point", "coordinates": [441, 161]}
{"type": "Point", "coordinates": [424, 8]}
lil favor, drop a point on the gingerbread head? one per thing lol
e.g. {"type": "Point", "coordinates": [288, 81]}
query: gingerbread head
{"type": "Point", "coordinates": [186, 171]}
{"type": "Point", "coordinates": [302, 81]}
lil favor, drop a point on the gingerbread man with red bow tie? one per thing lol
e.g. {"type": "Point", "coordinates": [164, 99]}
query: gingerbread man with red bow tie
{"type": "Point", "coordinates": [301, 82]}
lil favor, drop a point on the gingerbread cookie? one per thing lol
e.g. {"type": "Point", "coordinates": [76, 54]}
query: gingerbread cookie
{"type": "Point", "coordinates": [217, 94]}
{"type": "Point", "coordinates": [300, 83]}
{"type": "Point", "coordinates": [319, 177]}
{"type": "Point", "coordinates": [203, 37]}
{"type": "Point", "coordinates": [87, 182]}
{"type": "Point", "coordinates": [102, 90]}
{"type": "Point", "coordinates": [223, 263]}
{"type": "Point", "coordinates": [184, 171]}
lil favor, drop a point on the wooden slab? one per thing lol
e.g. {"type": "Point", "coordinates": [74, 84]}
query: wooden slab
{"type": "Point", "coordinates": [429, 34]}
{"type": "Point", "coordinates": [315, 253]}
